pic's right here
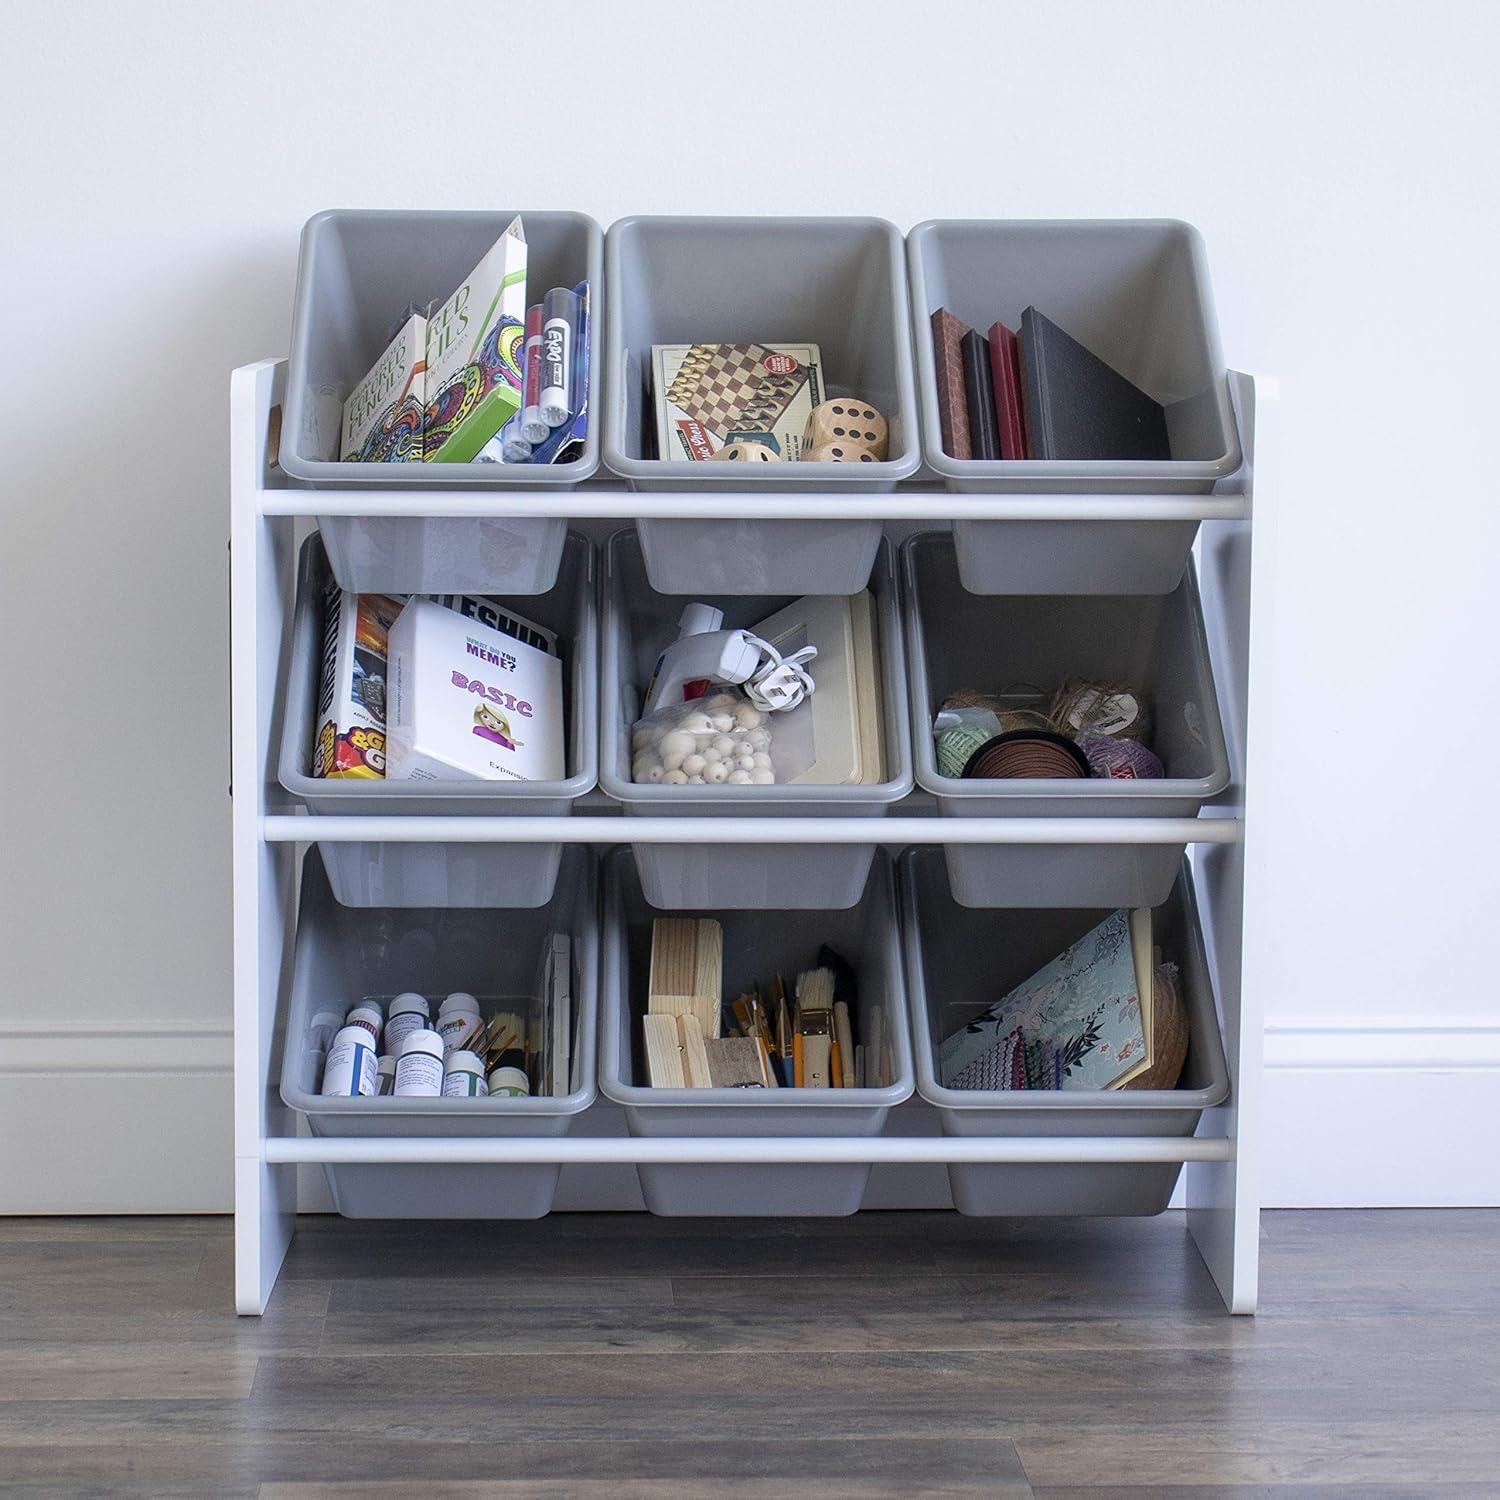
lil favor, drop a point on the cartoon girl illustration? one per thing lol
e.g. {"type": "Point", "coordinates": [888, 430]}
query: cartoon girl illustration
{"type": "Point", "coordinates": [489, 724]}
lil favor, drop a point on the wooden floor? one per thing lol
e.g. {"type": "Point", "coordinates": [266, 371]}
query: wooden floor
{"type": "Point", "coordinates": [624, 1356]}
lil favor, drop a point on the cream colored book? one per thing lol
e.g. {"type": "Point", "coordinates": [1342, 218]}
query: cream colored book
{"type": "Point", "coordinates": [821, 742]}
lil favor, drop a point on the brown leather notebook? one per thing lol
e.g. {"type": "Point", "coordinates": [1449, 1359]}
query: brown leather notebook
{"type": "Point", "coordinates": [953, 407]}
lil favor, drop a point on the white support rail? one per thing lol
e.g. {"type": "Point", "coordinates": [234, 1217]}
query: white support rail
{"type": "Point", "coordinates": [290, 828]}
{"type": "Point", "coordinates": [758, 1150]}
{"type": "Point", "coordinates": [589, 504]}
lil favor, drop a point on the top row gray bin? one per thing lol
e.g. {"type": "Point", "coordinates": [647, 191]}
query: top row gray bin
{"type": "Point", "coordinates": [1136, 292]}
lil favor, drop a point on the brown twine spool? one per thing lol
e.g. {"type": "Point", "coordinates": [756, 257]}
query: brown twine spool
{"type": "Point", "coordinates": [1011, 715]}
{"type": "Point", "coordinates": [1169, 1033]}
{"type": "Point", "coordinates": [1081, 706]}
{"type": "Point", "coordinates": [1027, 754]}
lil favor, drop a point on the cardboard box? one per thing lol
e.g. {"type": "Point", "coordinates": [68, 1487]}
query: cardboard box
{"type": "Point", "coordinates": [467, 700]}
{"type": "Point", "coordinates": [706, 393]}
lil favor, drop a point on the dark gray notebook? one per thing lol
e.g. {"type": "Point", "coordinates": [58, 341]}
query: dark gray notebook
{"type": "Point", "coordinates": [1077, 406]}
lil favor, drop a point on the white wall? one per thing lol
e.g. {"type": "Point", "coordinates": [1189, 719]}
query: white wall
{"type": "Point", "coordinates": [1340, 160]}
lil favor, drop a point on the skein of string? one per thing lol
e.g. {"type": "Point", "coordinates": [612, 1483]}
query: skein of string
{"type": "Point", "coordinates": [1114, 709]}
{"type": "Point", "coordinates": [1028, 754]}
{"type": "Point", "coordinates": [1004, 707]}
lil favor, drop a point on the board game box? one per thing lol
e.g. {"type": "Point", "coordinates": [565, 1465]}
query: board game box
{"type": "Point", "coordinates": [707, 393]}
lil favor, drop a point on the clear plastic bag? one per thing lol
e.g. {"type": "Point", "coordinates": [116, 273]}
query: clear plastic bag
{"type": "Point", "coordinates": [719, 739]}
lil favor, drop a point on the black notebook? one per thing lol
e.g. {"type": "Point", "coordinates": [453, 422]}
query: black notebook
{"type": "Point", "coordinates": [1077, 407]}
{"type": "Point", "coordinates": [979, 390]}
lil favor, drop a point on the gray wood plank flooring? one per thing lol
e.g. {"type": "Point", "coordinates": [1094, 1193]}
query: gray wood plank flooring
{"type": "Point", "coordinates": [625, 1356]}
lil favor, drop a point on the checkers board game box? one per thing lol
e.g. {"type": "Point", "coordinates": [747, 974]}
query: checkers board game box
{"type": "Point", "coordinates": [707, 394]}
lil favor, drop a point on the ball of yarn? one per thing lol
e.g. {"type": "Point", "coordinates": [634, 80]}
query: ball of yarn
{"type": "Point", "coordinates": [1029, 754]}
{"type": "Point", "coordinates": [1122, 759]}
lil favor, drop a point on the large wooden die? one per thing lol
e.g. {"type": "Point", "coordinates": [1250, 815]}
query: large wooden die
{"type": "Point", "coordinates": [844, 429]}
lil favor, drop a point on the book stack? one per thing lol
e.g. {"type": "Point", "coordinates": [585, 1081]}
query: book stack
{"type": "Point", "coordinates": [1036, 392]}
{"type": "Point", "coordinates": [1103, 1014]}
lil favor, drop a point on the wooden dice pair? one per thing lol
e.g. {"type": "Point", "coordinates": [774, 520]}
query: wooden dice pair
{"type": "Point", "coordinates": [845, 430]}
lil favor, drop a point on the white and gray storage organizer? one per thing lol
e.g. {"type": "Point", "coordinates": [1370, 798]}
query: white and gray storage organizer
{"type": "Point", "coordinates": [901, 1146]}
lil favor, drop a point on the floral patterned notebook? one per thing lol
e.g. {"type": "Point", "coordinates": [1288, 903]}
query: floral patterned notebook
{"type": "Point", "coordinates": [1082, 1022]}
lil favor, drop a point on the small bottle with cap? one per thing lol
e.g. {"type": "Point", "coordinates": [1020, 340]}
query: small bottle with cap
{"type": "Point", "coordinates": [409, 1012]}
{"type": "Point", "coordinates": [419, 1066]}
{"type": "Point", "coordinates": [349, 1071]}
{"type": "Point", "coordinates": [463, 1076]}
{"type": "Point", "coordinates": [508, 1078]}
{"type": "Point", "coordinates": [368, 1014]}
{"type": "Point", "coordinates": [458, 1019]}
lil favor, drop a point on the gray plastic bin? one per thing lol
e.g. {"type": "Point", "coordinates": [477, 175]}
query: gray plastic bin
{"type": "Point", "coordinates": [344, 955]}
{"type": "Point", "coordinates": [839, 283]}
{"type": "Point", "coordinates": [960, 961]}
{"type": "Point", "coordinates": [756, 945]}
{"type": "Point", "coordinates": [957, 640]}
{"type": "Point", "coordinates": [446, 874]}
{"type": "Point", "coordinates": [358, 270]}
{"type": "Point", "coordinates": [1136, 292]}
{"type": "Point", "coordinates": [638, 622]}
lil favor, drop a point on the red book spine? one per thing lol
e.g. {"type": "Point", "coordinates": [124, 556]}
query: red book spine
{"type": "Point", "coordinates": [1005, 371]}
{"type": "Point", "coordinates": [953, 406]}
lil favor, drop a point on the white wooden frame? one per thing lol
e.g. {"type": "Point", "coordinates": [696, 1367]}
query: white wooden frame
{"type": "Point", "coordinates": [1222, 1189]}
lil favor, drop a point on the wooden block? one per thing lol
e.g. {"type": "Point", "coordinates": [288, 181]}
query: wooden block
{"type": "Point", "coordinates": [844, 1033]}
{"type": "Point", "coordinates": [734, 1062]}
{"type": "Point", "coordinates": [847, 425]}
{"type": "Point", "coordinates": [748, 452]}
{"type": "Point", "coordinates": [695, 1071]}
{"type": "Point", "coordinates": [953, 405]}
{"type": "Point", "coordinates": [687, 956]}
{"type": "Point", "coordinates": [663, 1052]}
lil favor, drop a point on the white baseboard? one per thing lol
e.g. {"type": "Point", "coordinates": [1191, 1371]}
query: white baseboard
{"type": "Point", "coordinates": [137, 1118]}
{"type": "Point", "coordinates": [1381, 1114]}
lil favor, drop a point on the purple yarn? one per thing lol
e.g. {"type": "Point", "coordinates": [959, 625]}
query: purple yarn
{"type": "Point", "coordinates": [1127, 760]}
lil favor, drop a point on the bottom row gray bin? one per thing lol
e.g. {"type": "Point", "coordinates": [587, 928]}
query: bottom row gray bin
{"type": "Point", "coordinates": [960, 960]}
{"type": "Point", "coordinates": [757, 944]}
{"type": "Point", "coordinates": [346, 953]}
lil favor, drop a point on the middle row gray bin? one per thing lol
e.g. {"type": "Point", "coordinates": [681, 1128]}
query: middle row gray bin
{"type": "Point", "coordinates": [1155, 642]}
{"type": "Point", "coordinates": [757, 944]}
{"type": "Point", "coordinates": [344, 955]}
{"type": "Point", "coordinates": [449, 874]}
{"type": "Point", "coordinates": [960, 961]}
{"type": "Point", "coordinates": [638, 621]}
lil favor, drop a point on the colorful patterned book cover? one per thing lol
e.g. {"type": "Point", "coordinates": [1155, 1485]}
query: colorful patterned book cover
{"type": "Point", "coordinates": [706, 392]}
{"type": "Point", "coordinates": [475, 345]}
{"type": "Point", "coordinates": [383, 416]}
{"type": "Point", "coordinates": [1077, 1023]}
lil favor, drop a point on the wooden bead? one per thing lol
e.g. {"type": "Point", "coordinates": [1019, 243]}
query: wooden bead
{"type": "Point", "coordinates": [849, 424]}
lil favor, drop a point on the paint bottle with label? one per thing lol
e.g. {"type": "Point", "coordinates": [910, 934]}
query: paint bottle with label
{"type": "Point", "coordinates": [350, 1072]}
{"type": "Point", "coordinates": [463, 1076]}
{"type": "Point", "coordinates": [369, 1015]}
{"type": "Point", "coordinates": [409, 1012]}
{"type": "Point", "coordinates": [458, 1019]}
{"type": "Point", "coordinates": [385, 1068]}
{"type": "Point", "coordinates": [509, 1080]}
{"type": "Point", "coordinates": [419, 1066]}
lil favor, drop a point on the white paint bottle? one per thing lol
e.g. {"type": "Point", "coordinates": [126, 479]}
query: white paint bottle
{"type": "Point", "coordinates": [463, 1076]}
{"type": "Point", "coordinates": [409, 1012]}
{"type": "Point", "coordinates": [350, 1072]}
{"type": "Point", "coordinates": [369, 1015]}
{"type": "Point", "coordinates": [509, 1080]}
{"type": "Point", "coordinates": [419, 1067]}
{"type": "Point", "coordinates": [458, 1018]}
